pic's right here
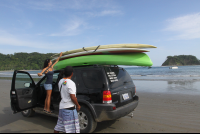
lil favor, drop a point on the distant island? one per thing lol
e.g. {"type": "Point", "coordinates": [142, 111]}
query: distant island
{"type": "Point", "coordinates": [23, 61]}
{"type": "Point", "coordinates": [181, 60]}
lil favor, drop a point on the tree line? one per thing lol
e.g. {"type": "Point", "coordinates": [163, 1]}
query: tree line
{"type": "Point", "coordinates": [181, 60]}
{"type": "Point", "coordinates": [23, 61]}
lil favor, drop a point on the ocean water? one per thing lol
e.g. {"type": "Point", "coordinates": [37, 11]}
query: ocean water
{"type": "Point", "coordinates": [182, 70]}
{"type": "Point", "coordinates": [164, 73]}
{"type": "Point", "coordinates": [10, 73]}
{"type": "Point", "coordinates": [184, 80]}
{"type": "Point", "coordinates": [145, 73]}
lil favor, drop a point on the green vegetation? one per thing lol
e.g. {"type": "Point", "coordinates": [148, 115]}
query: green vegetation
{"type": "Point", "coordinates": [181, 60]}
{"type": "Point", "coordinates": [23, 61]}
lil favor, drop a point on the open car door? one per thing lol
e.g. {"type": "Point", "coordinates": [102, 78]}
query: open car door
{"type": "Point", "coordinates": [23, 92]}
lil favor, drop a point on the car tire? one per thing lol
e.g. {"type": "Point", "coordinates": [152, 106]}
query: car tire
{"type": "Point", "coordinates": [86, 120]}
{"type": "Point", "coordinates": [28, 113]}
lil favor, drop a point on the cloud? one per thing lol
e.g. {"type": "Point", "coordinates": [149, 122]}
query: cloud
{"type": "Point", "coordinates": [71, 28]}
{"type": "Point", "coordinates": [76, 25]}
{"type": "Point", "coordinates": [186, 27]}
{"type": "Point", "coordinates": [47, 5]}
{"type": "Point", "coordinates": [52, 5]}
{"type": "Point", "coordinates": [60, 5]}
{"type": "Point", "coordinates": [104, 13]}
{"type": "Point", "coordinates": [11, 40]}
{"type": "Point", "coordinates": [110, 12]}
{"type": "Point", "coordinates": [88, 7]}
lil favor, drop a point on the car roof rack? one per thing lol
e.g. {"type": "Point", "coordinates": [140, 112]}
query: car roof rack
{"type": "Point", "coordinates": [113, 65]}
{"type": "Point", "coordinates": [96, 65]}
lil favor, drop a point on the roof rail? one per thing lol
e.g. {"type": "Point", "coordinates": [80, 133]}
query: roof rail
{"type": "Point", "coordinates": [113, 65]}
{"type": "Point", "coordinates": [95, 65]}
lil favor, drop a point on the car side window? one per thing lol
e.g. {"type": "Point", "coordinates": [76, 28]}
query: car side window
{"type": "Point", "coordinates": [23, 81]}
{"type": "Point", "coordinates": [60, 76]}
{"type": "Point", "coordinates": [55, 77]}
{"type": "Point", "coordinates": [92, 78]}
{"type": "Point", "coordinates": [73, 78]}
{"type": "Point", "coordinates": [43, 81]}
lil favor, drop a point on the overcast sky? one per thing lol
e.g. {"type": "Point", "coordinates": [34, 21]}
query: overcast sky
{"type": "Point", "coordinates": [52, 26]}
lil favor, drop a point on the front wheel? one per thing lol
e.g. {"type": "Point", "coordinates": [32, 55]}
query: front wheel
{"type": "Point", "coordinates": [28, 113]}
{"type": "Point", "coordinates": [86, 120]}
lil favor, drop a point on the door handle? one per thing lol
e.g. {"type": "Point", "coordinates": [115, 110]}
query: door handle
{"type": "Point", "coordinates": [26, 91]}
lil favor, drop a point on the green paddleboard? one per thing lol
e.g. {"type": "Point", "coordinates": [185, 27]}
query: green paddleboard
{"type": "Point", "coordinates": [134, 59]}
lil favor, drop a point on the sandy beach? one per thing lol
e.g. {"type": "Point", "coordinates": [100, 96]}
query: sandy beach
{"type": "Point", "coordinates": [157, 112]}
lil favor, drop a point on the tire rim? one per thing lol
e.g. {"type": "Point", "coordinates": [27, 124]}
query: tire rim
{"type": "Point", "coordinates": [25, 112]}
{"type": "Point", "coordinates": [83, 120]}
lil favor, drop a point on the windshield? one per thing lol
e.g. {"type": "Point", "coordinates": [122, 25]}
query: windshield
{"type": "Point", "coordinates": [117, 76]}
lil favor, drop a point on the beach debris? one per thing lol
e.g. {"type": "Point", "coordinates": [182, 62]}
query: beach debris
{"type": "Point", "coordinates": [130, 115]}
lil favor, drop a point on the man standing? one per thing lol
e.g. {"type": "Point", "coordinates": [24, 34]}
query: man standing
{"type": "Point", "coordinates": [68, 118]}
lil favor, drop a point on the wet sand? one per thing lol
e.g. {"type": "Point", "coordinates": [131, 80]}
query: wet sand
{"type": "Point", "coordinates": [157, 112]}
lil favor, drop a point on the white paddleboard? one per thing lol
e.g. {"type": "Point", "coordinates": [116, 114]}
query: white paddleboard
{"type": "Point", "coordinates": [138, 46]}
{"type": "Point", "coordinates": [103, 52]}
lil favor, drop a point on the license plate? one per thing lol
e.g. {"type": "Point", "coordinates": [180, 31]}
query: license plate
{"type": "Point", "coordinates": [125, 96]}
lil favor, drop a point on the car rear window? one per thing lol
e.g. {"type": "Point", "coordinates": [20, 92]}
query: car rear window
{"type": "Point", "coordinates": [92, 78]}
{"type": "Point", "coordinates": [117, 76]}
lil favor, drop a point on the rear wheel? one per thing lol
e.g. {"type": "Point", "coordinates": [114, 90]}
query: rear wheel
{"type": "Point", "coordinates": [86, 120]}
{"type": "Point", "coordinates": [28, 113]}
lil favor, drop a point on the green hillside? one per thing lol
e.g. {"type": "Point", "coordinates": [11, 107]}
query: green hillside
{"type": "Point", "coordinates": [23, 61]}
{"type": "Point", "coordinates": [181, 60]}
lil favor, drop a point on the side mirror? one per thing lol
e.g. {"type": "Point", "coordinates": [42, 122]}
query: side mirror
{"type": "Point", "coordinates": [27, 84]}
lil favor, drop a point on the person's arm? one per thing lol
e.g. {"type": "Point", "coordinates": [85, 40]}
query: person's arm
{"type": "Point", "coordinates": [74, 100]}
{"type": "Point", "coordinates": [57, 60]}
{"type": "Point", "coordinates": [40, 74]}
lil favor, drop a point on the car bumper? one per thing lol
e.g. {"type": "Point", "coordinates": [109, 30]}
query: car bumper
{"type": "Point", "coordinates": [105, 112]}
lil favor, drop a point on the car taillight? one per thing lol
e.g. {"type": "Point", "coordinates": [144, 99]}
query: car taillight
{"type": "Point", "coordinates": [107, 98]}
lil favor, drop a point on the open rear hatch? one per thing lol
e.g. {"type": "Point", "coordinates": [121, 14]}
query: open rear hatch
{"type": "Point", "coordinates": [121, 86]}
